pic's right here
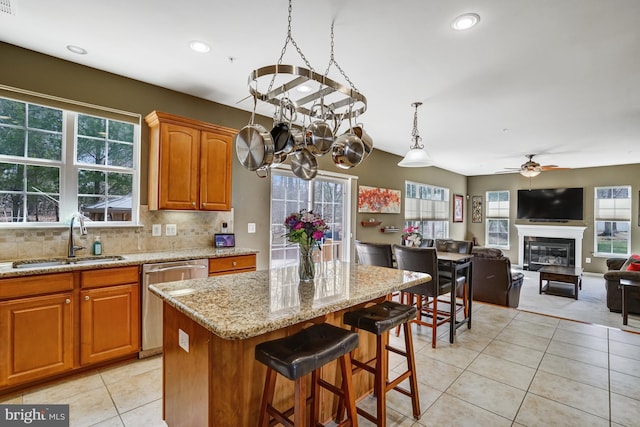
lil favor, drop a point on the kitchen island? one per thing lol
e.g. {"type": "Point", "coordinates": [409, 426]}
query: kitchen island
{"type": "Point", "coordinates": [211, 327]}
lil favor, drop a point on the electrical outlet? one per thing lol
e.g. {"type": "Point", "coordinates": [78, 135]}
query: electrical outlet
{"type": "Point", "coordinates": [156, 230]}
{"type": "Point", "coordinates": [587, 260]}
{"type": "Point", "coordinates": [183, 340]}
{"type": "Point", "coordinates": [251, 227]}
{"type": "Point", "coordinates": [170, 230]}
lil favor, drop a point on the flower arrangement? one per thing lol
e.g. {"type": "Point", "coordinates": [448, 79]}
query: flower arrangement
{"type": "Point", "coordinates": [411, 236]}
{"type": "Point", "coordinates": [305, 228]}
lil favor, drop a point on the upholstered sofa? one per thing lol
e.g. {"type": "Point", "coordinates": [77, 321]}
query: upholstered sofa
{"type": "Point", "coordinates": [618, 270]}
{"type": "Point", "coordinates": [493, 280]}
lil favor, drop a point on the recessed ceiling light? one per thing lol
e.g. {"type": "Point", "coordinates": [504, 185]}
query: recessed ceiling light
{"type": "Point", "coordinates": [200, 47]}
{"type": "Point", "coordinates": [303, 89]}
{"type": "Point", "coordinates": [76, 49]}
{"type": "Point", "coordinates": [466, 21]}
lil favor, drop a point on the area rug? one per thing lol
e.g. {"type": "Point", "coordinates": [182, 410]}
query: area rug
{"type": "Point", "coordinates": [590, 307]}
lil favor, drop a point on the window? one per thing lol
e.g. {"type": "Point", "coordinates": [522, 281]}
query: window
{"type": "Point", "coordinates": [55, 161]}
{"type": "Point", "coordinates": [612, 215]}
{"type": "Point", "coordinates": [327, 196]}
{"type": "Point", "coordinates": [427, 207]}
{"type": "Point", "coordinates": [497, 230]}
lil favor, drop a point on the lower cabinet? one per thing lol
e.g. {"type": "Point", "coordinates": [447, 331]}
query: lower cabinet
{"type": "Point", "coordinates": [36, 337]}
{"type": "Point", "coordinates": [109, 325]}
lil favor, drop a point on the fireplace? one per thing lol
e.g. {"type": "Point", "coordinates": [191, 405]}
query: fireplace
{"type": "Point", "coordinates": [541, 251]}
{"type": "Point", "coordinates": [549, 247]}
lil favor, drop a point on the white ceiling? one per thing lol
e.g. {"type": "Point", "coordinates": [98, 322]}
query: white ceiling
{"type": "Point", "coordinates": [559, 78]}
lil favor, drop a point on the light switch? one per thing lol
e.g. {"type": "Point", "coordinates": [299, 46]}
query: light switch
{"type": "Point", "coordinates": [156, 230]}
{"type": "Point", "coordinates": [170, 230]}
{"type": "Point", "coordinates": [183, 340]}
{"type": "Point", "coordinates": [251, 227]}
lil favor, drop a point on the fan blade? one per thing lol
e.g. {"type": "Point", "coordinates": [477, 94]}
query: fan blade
{"type": "Point", "coordinates": [553, 168]}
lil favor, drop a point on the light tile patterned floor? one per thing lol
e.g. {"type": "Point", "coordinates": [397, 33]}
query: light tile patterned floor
{"type": "Point", "coordinates": [513, 368]}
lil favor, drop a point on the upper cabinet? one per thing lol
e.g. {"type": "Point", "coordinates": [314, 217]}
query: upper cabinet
{"type": "Point", "coordinates": [189, 163]}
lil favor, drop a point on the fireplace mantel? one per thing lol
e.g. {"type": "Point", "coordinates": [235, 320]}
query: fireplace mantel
{"type": "Point", "coordinates": [557, 231]}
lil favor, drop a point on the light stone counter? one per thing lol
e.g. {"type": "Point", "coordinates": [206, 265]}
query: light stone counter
{"type": "Point", "coordinates": [245, 305]}
{"type": "Point", "coordinates": [6, 269]}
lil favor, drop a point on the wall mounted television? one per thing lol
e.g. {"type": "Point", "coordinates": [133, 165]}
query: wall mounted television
{"type": "Point", "coordinates": [551, 204]}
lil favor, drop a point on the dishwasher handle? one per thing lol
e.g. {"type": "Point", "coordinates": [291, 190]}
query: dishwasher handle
{"type": "Point", "coordinates": [176, 267]}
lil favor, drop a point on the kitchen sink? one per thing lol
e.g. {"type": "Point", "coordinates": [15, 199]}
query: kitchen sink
{"type": "Point", "coordinates": [57, 261]}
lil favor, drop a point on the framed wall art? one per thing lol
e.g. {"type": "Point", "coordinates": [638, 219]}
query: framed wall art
{"type": "Point", "coordinates": [378, 200]}
{"type": "Point", "coordinates": [458, 208]}
{"type": "Point", "coordinates": [476, 209]}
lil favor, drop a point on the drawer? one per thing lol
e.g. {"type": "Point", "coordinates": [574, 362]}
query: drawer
{"type": "Point", "coordinates": [109, 277]}
{"type": "Point", "coordinates": [230, 264]}
{"type": "Point", "coordinates": [35, 285]}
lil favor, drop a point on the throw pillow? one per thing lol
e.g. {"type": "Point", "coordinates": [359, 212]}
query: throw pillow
{"type": "Point", "coordinates": [633, 263]}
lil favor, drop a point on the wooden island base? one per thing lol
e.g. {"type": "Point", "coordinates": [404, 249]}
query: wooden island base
{"type": "Point", "coordinates": [218, 382]}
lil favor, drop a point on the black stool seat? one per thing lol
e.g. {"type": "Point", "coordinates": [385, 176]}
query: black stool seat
{"type": "Point", "coordinates": [302, 353]}
{"type": "Point", "coordinates": [379, 318]}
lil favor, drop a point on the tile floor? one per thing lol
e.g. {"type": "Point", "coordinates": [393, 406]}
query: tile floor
{"type": "Point", "coordinates": [513, 368]}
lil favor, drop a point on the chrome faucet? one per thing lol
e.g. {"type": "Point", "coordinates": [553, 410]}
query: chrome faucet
{"type": "Point", "coordinates": [72, 248]}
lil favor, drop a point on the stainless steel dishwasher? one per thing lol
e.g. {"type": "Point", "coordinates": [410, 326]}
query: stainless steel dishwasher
{"type": "Point", "coordinates": [152, 305]}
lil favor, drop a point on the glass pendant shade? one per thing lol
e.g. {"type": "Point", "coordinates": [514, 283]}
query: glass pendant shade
{"type": "Point", "coordinates": [416, 158]}
{"type": "Point", "coordinates": [529, 173]}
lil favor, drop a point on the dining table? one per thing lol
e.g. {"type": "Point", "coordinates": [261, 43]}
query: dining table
{"type": "Point", "coordinates": [456, 263]}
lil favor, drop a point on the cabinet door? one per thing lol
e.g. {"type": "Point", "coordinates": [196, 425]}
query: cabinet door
{"type": "Point", "coordinates": [215, 171]}
{"type": "Point", "coordinates": [109, 323]}
{"type": "Point", "coordinates": [36, 337]}
{"type": "Point", "coordinates": [179, 163]}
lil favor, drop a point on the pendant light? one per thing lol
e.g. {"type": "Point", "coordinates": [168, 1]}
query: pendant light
{"type": "Point", "coordinates": [417, 157]}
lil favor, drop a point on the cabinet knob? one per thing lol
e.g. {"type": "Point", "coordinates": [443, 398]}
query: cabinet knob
{"type": "Point", "coordinates": [67, 301]}
{"type": "Point", "coordinates": [86, 297]}
{"type": "Point", "coordinates": [204, 204]}
{"type": "Point", "coordinates": [193, 204]}
{"type": "Point", "coordinates": [234, 263]}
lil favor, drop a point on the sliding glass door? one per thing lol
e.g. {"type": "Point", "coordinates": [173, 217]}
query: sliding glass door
{"type": "Point", "coordinates": [327, 196]}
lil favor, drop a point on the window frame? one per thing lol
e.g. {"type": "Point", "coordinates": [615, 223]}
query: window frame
{"type": "Point", "coordinates": [347, 224]}
{"type": "Point", "coordinates": [428, 226]}
{"type": "Point", "coordinates": [69, 195]}
{"type": "Point", "coordinates": [597, 219]}
{"type": "Point", "coordinates": [502, 216]}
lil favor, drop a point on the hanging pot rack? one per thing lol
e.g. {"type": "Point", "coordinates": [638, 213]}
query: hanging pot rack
{"type": "Point", "coordinates": [339, 101]}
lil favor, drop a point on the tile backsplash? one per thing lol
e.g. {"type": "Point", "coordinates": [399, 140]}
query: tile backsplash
{"type": "Point", "coordinates": [194, 230]}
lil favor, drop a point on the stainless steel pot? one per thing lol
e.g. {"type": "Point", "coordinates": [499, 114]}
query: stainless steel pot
{"type": "Point", "coordinates": [319, 135]}
{"type": "Point", "coordinates": [348, 151]}
{"type": "Point", "coordinates": [365, 138]}
{"type": "Point", "coordinates": [304, 165]}
{"type": "Point", "coordinates": [254, 147]}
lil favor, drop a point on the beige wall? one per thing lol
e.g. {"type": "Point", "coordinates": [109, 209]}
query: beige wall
{"type": "Point", "coordinates": [587, 178]}
{"type": "Point", "coordinates": [250, 197]}
{"type": "Point", "coordinates": [250, 194]}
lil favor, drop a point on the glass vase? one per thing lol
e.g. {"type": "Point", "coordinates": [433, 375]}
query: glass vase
{"type": "Point", "coordinates": [306, 267]}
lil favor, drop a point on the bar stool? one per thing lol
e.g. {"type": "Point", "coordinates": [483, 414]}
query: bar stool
{"type": "Point", "coordinates": [379, 319]}
{"type": "Point", "coordinates": [301, 354]}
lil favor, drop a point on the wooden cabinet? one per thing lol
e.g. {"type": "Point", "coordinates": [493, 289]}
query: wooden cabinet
{"type": "Point", "coordinates": [36, 337]}
{"type": "Point", "coordinates": [232, 264]}
{"type": "Point", "coordinates": [189, 163]}
{"type": "Point", "coordinates": [109, 314]}
{"type": "Point", "coordinates": [54, 323]}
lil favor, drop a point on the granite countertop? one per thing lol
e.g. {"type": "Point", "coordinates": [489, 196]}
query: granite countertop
{"type": "Point", "coordinates": [245, 305]}
{"type": "Point", "coordinates": [7, 270]}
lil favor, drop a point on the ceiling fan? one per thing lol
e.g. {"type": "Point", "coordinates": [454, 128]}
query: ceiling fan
{"type": "Point", "coordinates": [531, 168]}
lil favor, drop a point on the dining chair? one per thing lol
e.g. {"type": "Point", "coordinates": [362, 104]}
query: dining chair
{"type": "Point", "coordinates": [379, 254]}
{"type": "Point", "coordinates": [425, 296]}
{"type": "Point", "coordinates": [461, 247]}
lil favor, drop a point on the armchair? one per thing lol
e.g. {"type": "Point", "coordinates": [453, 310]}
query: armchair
{"type": "Point", "coordinates": [493, 280]}
{"type": "Point", "coordinates": [618, 270]}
